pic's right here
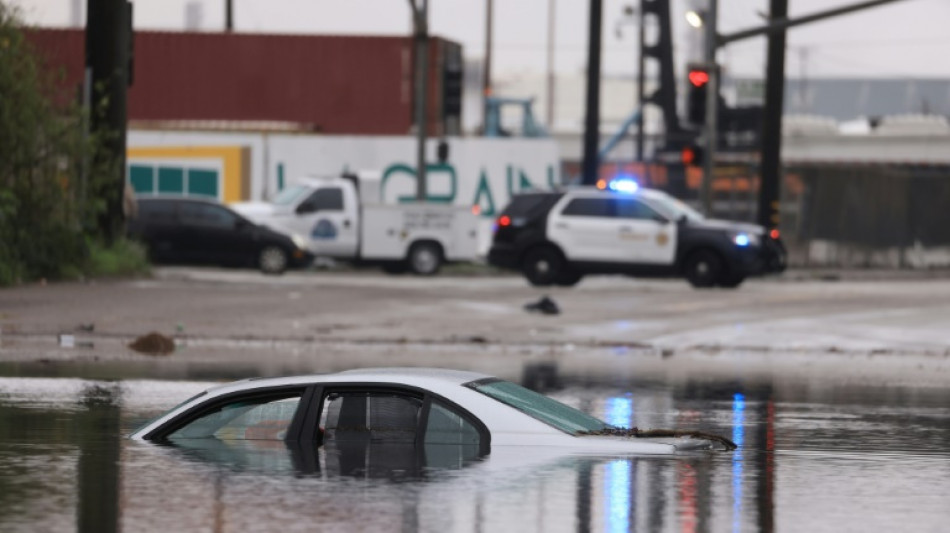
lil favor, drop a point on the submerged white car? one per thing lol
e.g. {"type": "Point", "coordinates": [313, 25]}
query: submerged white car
{"type": "Point", "coordinates": [406, 406]}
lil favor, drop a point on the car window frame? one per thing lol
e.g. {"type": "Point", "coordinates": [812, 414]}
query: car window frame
{"type": "Point", "coordinates": [310, 431]}
{"type": "Point", "coordinates": [161, 433]}
{"type": "Point", "coordinates": [236, 219]}
{"type": "Point", "coordinates": [656, 216]}
{"type": "Point", "coordinates": [609, 214]}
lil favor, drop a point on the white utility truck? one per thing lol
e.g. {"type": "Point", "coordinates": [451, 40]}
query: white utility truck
{"type": "Point", "coordinates": [343, 218]}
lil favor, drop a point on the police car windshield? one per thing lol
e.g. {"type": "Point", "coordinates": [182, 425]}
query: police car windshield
{"type": "Point", "coordinates": [673, 208]}
{"type": "Point", "coordinates": [290, 195]}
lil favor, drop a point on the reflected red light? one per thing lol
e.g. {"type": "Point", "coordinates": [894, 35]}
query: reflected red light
{"type": "Point", "coordinates": [476, 209]}
{"type": "Point", "coordinates": [774, 234]}
{"type": "Point", "coordinates": [504, 220]}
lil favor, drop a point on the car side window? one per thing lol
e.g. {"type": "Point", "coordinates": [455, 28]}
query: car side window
{"type": "Point", "coordinates": [448, 427]}
{"type": "Point", "coordinates": [630, 208]}
{"type": "Point", "coordinates": [157, 212]}
{"type": "Point", "coordinates": [209, 216]}
{"type": "Point", "coordinates": [388, 417]}
{"type": "Point", "coordinates": [588, 207]}
{"type": "Point", "coordinates": [324, 199]}
{"type": "Point", "coordinates": [245, 419]}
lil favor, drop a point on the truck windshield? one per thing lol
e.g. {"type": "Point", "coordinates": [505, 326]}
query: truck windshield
{"type": "Point", "coordinates": [539, 406]}
{"type": "Point", "coordinates": [291, 195]}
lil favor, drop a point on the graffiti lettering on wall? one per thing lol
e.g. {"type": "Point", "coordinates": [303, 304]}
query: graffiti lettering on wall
{"type": "Point", "coordinates": [442, 185]}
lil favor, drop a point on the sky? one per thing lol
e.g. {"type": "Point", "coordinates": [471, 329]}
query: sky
{"type": "Point", "coordinates": [907, 39]}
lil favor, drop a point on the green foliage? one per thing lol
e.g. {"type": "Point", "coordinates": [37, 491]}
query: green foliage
{"type": "Point", "coordinates": [123, 258]}
{"type": "Point", "coordinates": [52, 175]}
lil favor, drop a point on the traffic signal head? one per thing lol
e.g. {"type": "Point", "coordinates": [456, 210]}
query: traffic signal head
{"type": "Point", "coordinates": [696, 96]}
{"type": "Point", "coordinates": [692, 155]}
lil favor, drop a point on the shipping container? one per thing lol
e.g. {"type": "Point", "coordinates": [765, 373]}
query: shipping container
{"type": "Point", "coordinates": [323, 83]}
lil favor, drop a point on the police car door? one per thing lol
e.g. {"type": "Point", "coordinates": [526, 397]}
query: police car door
{"type": "Point", "coordinates": [647, 235]}
{"type": "Point", "coordinates": [586, 230]}
{"type": "Point", "coordinates": [328, 219]}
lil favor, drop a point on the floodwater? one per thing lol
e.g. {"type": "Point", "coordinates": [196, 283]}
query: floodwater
{"type": "Point", "coordinates": [811, 458]}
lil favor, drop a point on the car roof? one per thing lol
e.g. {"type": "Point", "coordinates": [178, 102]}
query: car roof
{"type": "Point", "coordinates": [419, 377]}
{"type": "Point", "coordinates": [176, 198]}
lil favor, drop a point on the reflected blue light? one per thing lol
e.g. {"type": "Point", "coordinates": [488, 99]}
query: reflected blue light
{"type": "Point", "coordinates": [738, 436]}
{"type": "Point", "coordinates": [619, 411]}
{"type": "Point", "coordinates": [624, 184]}
{"type": "Point", "coordinates": [617, 488]}
{"type": "Point", "coordinates": [741, 239]}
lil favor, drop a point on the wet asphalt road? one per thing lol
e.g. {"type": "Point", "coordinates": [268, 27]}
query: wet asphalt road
{"type": "Point", "coordinates": [895, 329]}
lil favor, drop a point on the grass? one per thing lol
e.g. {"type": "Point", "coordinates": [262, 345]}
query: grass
{"type": "Point", "coordinates": [123, 258]}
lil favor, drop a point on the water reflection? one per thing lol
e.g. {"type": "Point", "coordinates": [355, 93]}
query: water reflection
{"type": "Point", "coordinates": [808, 460]}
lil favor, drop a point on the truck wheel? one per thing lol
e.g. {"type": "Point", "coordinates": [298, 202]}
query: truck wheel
{"type": "Point", "coordinates": [542, 266]}
{"type": "Point", "coordinates": [272, 260]}
{"type": "Point", "coordinates": [703, 268]}
{"type": "Point", "coordinates": [569, 278]}
{"type": "Point", "coordinates": [425, 258]}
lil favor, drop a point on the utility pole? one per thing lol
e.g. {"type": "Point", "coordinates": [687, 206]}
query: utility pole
{"type": "Point", "coordinates": [591, 164]}
{"type": "Point", "coordinates": [641, 79]}
{"type": "Point", "coordinates": [229, 15]}
{"type": "Point", "coordinates": [420, 17]}
{"type": "Point", "coordinates": [768, 216]}
{"type": "Point", "coordinates": [108, 58]}
{"type": "Point", "coordinates": [712, 107]}
{"type": "Point", "coordinates": [486, 78]}
{"type": "Point", "coordinates": [552, 6]}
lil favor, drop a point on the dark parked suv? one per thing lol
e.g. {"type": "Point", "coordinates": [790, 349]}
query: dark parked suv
{"type": "Point", "coordinates": [555, 238]}
{"type": "Point", "coordinates": [188, 230]}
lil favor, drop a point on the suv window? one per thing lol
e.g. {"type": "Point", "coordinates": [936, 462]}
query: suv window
{"type": "Point", "coordinates": [588, 207]}
{"type": "Point", "coordinates": [527, 205]}
{"type": "Point", "coordinates": [325, 199]}
{"type": "Point", "coordinates": [209, 216]}
{"type": "Point", "coordinates": [630, 208]}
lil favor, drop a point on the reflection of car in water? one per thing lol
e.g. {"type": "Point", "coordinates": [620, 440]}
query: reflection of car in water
{"type": "Point", "coordinates": [402, 412]}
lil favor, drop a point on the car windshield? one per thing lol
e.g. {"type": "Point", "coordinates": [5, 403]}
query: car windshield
{"type": "Point", "coordinates": [539, 406]}
{"type": "Point", "coordinates": [291, 195]}
{"type": "Point", "coordinates": [672, 208]}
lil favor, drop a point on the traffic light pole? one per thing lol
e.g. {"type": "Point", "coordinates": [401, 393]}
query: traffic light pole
{"type": "Point", "coordinates": [591, 163]}
{"type": "Point", "coordinates": [420, 17]}
{"type": "Point", "coordinates": [768, 213]}
{"type": "Point", "coordinates": [712, 107]}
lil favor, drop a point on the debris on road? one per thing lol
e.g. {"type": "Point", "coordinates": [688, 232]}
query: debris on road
{"type": "Point", "coordinates": [153, 344]}
{"type": "Point", "coordinates": [545, 306]}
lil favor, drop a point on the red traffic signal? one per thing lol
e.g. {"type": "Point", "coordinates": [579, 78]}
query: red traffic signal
{"type": "Point", "coordinates": [698, 77]}
{"type": "Point", "coordinates": [692, 155]}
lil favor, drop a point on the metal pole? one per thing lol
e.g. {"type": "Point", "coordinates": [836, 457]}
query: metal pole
{"type": "Point", "coordinates": [768, 215]}
{"type": "Point", "coordinates": [486, 78]}
{"type": "Point", "coordinates": [592, 122]}
{"type": "Point", "coordinates": [229, 16]}
{"type": "Point", "coordinates": [712, 107]}
{"type": "Point", "coordinates": [551, 31]}
{"type": "Point", "coordinates": [641, 80]}
{"type": "Point", "coordinates": [421, 17]}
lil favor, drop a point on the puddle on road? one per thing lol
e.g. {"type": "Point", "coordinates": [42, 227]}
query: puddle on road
{"type": "Point", "coordinates": [811, 458]}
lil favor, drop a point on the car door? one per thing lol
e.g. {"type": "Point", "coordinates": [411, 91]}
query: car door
{"type": "Point", "coordinates": [645, 234]}
{"type": "Point", "coordinates": [584, 228]}
{"type": "Point", "coordinates": [370, 428]}
{"type": "Point", "coordinates": [328, 217]}
{"type": "Point", "coordinates": [214, 234]}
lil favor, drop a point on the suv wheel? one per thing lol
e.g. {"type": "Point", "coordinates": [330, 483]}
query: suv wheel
{"type": "Point", "coordinates": [703, 268]}
{"type": "Point", "coordinates": [542, 266]}
{"type": "Point", "coordinates": [425, 258]}
{"type": "Point", "coordinates": [272, 260]}
{"type": "Point", "coordinates": [730, 281]}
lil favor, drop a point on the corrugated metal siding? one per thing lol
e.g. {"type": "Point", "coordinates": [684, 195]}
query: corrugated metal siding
{"type": "Point", "coordinates": [335, 84]}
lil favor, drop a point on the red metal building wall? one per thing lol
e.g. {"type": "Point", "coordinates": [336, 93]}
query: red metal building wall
{"type": "Point", "coordinates": [331, 84]}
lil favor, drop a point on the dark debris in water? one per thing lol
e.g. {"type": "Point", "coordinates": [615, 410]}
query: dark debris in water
{"type": "Point", "coordinates": [153, 344]}
{"type": "Point", "coordinates": [654, 433]}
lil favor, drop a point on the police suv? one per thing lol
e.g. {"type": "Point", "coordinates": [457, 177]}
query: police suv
{"type": "Point", "coordinates": [555, 238]}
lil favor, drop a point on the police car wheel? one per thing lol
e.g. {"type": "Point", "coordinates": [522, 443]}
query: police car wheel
{"type": "Point", "coordinates": [272, 260]}
{"type": "Point", "coordinates": [425, 258]}
{"type": "Point", "coordinates": [731, 281]}
{"type": "Point", "coordinates": [569, 278]}
{"type": "Point", "coordinates": [542, 266]}
{"type": "Point", "coordinates": [703, 268]}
